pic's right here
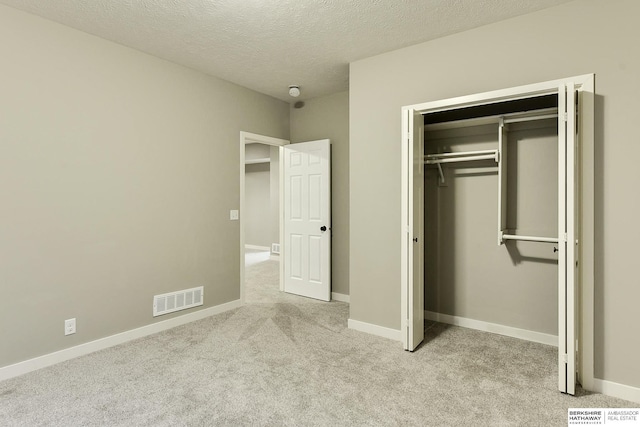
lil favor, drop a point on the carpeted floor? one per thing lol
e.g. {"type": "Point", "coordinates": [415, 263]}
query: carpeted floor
{"type": "Point", "coordinates": [283, 360]}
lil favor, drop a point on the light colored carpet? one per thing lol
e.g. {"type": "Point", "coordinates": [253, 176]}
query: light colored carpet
{"type": "Point", "coordinates": [283, 360]}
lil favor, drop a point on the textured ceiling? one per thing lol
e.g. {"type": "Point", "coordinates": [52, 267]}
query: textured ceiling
{"type": "Point", "coordinates": [267, 45]}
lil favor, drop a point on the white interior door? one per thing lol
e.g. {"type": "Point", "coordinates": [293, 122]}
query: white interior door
{"type": "Point", "coordinates": [567, 259]}
{"type": "Point", "coordinates": [413, 235]}
{"type": "Point", "coordinates": [307, 219]}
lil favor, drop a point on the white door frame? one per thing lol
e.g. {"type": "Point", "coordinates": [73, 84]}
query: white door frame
{"type": "Point", "coordinates": [253, 138]}
{"type": "Point", "coordinates": [585, 202]}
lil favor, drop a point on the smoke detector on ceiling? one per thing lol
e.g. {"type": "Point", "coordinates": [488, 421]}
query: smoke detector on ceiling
{"type": "Point", "coordinates": [294, 91]}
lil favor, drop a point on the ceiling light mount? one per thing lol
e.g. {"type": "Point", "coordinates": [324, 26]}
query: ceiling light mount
{"type": "Point", "coordinates": [294, 90]}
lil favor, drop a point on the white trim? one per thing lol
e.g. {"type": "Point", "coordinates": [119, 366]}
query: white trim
{"type": "Point", "coordinates": [494, 328]}
{"type": "Point", "coordinates": [369, 328]}
{"type": "Point", "coordinates": [518, 92]}
{"type": "Point", "coordinates": [50, 359]}
{"type": "Point", "coordinates": [258, 248]}
{"type": "Point", "coordinates": [586, 229]}
{"type": "Point", "coordinates": [339, 297]}
{"type": "Point", "coordinates": [281, 214]}
{"type": "Point", "coordinates": [254, 138]}
{"type": "Point", "coordinates": [274, 257]}
{"type": "Point", "coordinates": [618, 390]}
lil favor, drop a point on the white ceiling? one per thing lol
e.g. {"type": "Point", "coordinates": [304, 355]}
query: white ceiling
{"type": "Point", "coordinates": [267, 45]}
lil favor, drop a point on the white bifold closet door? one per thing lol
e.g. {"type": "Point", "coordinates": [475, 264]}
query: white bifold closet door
{"type": "Point", "coordinates": [307, 219]}
{"type": "Point", "coordinates": [413, 233]}
{"type": "Point", "coordinates": [567, 238]}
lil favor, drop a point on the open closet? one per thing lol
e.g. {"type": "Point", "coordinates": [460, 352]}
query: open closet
{"type": "Point", "coordinates": [490, 184]}
{"type": "Point", "coordinates": [491, 214]}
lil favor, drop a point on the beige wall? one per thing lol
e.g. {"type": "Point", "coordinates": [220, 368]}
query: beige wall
{"type": "Point", "coordinates": [586, 36]}
{"type": "Point", "coordinates": [117, 174]}
{"type": "Point", "coordinates": [274, 194]}
{"type": "Point", "coordinates": [467, 273]}
{"type": "Point", "coordinates": [322, 118]}
{"type": "Point", "coordinates": [262, 194]}
{"type": "Point", "coordinates": [257, 225]}
{"type": "Point", "coordinates": [257, 194]}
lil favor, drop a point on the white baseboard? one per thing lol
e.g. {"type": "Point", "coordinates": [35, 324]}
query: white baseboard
{"type": "Point", "coordinates": [274, 257]}
{"type": "Point", "coordinates": [50, 359]}
{"type": "Point", "coordinates": [339, 297]}
{"type": "Point", "coordinates": [620, 391]}
{"type": "Point", "coordinates": [495, 328]}
{"type": "Point", "coordinates": [258, 248]}
{"type": "Point", "coordinates": [369, 328]}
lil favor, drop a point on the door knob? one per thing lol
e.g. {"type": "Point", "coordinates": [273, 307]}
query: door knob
{"type": "Point", "coordinates": [323, 228]}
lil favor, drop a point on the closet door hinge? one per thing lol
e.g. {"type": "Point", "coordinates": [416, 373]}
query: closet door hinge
{"type": "Point", "coordinates": [565, 358]}
{"type": "Point", "coordinates": [565, 116]}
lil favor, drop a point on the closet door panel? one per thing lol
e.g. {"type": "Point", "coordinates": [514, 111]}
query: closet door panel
{"type": "Point", "coordinates": [567, 264]}
{"type": "Point", "coordinates": [412, 281]}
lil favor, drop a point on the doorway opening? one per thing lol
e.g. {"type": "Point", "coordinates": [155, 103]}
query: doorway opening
{"type": "Point", "coordinates": [261, 228]}
{"type": "Point", "coordinates": [301, 212]}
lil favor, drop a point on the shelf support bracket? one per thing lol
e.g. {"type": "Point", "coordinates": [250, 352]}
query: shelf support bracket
{"type": "Point", "coordinates": [441, 173]}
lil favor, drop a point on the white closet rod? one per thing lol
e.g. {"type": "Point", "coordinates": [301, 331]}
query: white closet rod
{"type": "Point", "coordinates": [461, 159]}
{"type": "Point", "coordinates": [461, 156]}
{"type": "Point", "coordinates": [530, 118]}
{"type": "Point", "coordinates": [458, 154]}
{"type": "Point", "coordinates": [530, 238]}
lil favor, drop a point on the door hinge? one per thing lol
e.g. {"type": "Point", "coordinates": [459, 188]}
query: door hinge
{"type": "Point", "coordinates": [565, 358]}
{"type": "Point", "coordinates": [565, 116]}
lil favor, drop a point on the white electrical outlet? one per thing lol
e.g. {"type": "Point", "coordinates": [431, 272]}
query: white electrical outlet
{"type": "Point", "coordinates": [70, 326]}
{"type": "Point", "coordinates": [234, 215]}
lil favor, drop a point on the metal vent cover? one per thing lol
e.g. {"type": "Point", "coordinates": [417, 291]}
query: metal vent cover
{"type": "Point", "coordinates": [176, 301]}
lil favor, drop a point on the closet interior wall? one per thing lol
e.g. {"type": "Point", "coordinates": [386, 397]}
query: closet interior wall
{"type": "Point", "coordinates": [467, 274]}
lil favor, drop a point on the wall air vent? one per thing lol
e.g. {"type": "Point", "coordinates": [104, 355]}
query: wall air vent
{"type": "Point", "coordinates": [176, 301]}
